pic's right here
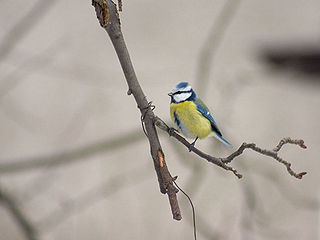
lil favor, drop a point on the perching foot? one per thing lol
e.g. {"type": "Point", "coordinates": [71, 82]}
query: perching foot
{"type": "Point", "coordinates": [192, 144]}
{"type": "Point", "coordinates": [171, 131]}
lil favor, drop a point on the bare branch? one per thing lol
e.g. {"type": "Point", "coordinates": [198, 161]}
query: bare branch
{"type": "Point", "coordinates": [222, 162]}
{"type": "Point", "coordinates": [270, 153]}
{"type": "Point", "coordinates": [108, 17]}
{"type": "Point", "coordinates": [289, 140]}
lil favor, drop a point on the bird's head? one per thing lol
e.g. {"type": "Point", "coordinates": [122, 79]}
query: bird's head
{"type": "Point", "coordinates": [182, 92]}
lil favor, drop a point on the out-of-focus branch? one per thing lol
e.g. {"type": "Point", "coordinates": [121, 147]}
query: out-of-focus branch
{"type": "Point", "coordinates": [212, 43]}
{"type": "Point", "coordinates": [23, 26]}
{"type": "Point", "coordinates": [297, 199]}
{"type": "Point", "coordinates": [222, 162]}
{"type": "Point", "coordinates": [68, 157]}
{"type": "Point", "coordinates": [19, 217]}
{"type": "Point", "coordinates": [31, 65]}
{"type": "Point", "coordinates": [108, 17]}
{"type": "Point", "coordinates": [111, 186]}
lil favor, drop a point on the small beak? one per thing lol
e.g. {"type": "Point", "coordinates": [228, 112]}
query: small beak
{"type": "Point", "coordinates": [170, 94]}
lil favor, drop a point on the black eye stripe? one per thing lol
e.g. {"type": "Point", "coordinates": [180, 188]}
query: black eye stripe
{"type": "Point", "coordinates": [182, 92]}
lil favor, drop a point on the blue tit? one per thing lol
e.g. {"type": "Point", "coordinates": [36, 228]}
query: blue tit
{"type": "Point", "coordinates": [191, 115]}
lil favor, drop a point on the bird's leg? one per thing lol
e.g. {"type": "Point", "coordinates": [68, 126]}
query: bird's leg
{"type": "Point", "coordinates": [192, 144]}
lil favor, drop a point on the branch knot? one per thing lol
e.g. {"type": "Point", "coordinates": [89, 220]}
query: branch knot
{"type": "Point", "coordinates": [102, 11]}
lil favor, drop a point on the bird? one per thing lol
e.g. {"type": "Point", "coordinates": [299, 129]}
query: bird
{"type": "Point", "coordinates": [191, 116]}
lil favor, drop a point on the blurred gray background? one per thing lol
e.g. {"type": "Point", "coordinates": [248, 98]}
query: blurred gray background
{"type": "Point", "coordinates": [74, 161]}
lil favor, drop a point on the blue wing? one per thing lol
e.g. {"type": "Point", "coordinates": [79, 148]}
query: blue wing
{"type": "Point", "coordinates": [203, 109]}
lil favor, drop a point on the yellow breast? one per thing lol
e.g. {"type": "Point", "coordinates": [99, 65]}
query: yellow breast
{"type": "Point", "coordinates": [192, 123]}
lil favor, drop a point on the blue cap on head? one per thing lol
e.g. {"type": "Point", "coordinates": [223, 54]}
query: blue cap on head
{"type": "Point", "coordinates": [182, 85]}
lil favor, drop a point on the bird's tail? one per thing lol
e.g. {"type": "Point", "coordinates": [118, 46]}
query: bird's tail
{"type": "Point", "coordinates": [223, 140]}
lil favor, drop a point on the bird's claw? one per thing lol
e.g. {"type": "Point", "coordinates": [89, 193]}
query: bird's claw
{"type": "Point", "coordinates": [191, 146]}
{"type": "Point", "coordinates": [171, 131]}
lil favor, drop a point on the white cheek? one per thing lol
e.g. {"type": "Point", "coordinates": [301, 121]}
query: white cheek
{"type": "Point", "coordinates": [181, 97]}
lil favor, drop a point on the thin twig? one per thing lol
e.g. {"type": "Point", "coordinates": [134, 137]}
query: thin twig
{"type": "Point", "coordinates": [290, 141]}
{"type": "Point", "coordinates": [270, 153]}
{"type": "Point", "coordinates": [192, 208]}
